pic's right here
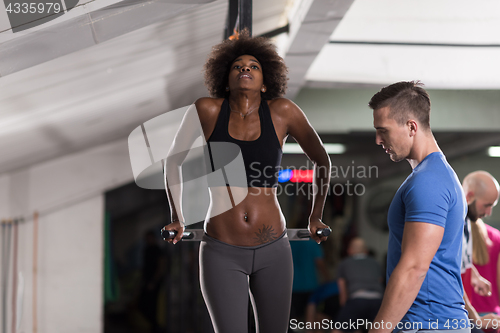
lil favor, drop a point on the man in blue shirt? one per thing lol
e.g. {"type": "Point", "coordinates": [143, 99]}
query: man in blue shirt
{"type": "Point", "coordinates": [426, 219]}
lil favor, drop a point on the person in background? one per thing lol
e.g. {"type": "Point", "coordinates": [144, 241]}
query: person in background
{"type": "Point", "coordinates": [481, 192]}
{"type": "Point", "coordinates": [153, 270]}
{"type": "Point", "coordinates": [323, 304]}
{"type": "Point", "coordinates": [359, 280]}
{"type": "Point", "coordinates": [308, 261]}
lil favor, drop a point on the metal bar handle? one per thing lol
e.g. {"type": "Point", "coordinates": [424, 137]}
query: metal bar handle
{"type": "Point", "coordinates": [197, 234]}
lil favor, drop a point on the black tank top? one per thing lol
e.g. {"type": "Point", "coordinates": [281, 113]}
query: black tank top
{"type": "Point", "coordinates": [261, 157]}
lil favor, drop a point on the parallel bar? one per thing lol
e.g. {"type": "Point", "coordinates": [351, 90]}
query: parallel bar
{"type": "Point", "coordinates": [196, 235]}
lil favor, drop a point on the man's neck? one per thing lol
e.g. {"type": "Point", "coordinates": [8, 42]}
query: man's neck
{"type": "Point", "coordinates": [422, 148]}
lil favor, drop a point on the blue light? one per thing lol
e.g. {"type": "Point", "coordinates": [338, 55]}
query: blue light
{"type": "Point", "coordinates": [285, 175]}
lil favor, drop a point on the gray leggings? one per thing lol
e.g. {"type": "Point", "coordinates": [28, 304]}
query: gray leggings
{"type": "Point", "coordinates": [228, 272]}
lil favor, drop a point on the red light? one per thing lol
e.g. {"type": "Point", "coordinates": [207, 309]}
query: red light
{"type": "Point", "coordinates": [302, 176]}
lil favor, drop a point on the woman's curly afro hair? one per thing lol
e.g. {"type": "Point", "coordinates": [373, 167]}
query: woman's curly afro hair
{"type": "Point", "coordinates": [273, 67]}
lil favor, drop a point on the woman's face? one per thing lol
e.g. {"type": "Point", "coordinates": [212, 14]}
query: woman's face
{"type": "Point", "coordinates": [246, 74]}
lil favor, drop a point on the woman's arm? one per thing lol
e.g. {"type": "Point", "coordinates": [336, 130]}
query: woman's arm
{"type": "Point", "coordinates": [481, 285]}
{"type": "Point", "coordinates": [190, 129]}
{"type": "Point", "coordinates": [299, 127]}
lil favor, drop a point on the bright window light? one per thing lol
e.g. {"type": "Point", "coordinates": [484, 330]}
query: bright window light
{"type": "Point", "coordinates": [331, 148]}
{"type": "Point", "coordinates": [494, 151]}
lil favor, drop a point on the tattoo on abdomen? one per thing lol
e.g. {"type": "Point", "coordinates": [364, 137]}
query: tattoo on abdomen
{"type": "Point", "coordinates": [264, 235]}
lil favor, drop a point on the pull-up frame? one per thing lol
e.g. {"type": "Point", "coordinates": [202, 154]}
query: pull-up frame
{"type": "Point", "coordinates": [239, 17]}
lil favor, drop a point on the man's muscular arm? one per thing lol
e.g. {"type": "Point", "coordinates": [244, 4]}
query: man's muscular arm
{"type": "Point", "coordinates": [420, 243]}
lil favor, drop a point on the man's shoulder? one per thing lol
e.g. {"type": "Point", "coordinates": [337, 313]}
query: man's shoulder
{"type": "Point", "coordinates": [434, 191]}
{"type": "Point", "coordinates": [344, 261]}
{"type": "Point", "coordinates": [358, 260]}
{"type": "Point", "coordinates": [434, 176]}
{"type": "Point", "coordinates": [370, 261]}
{"type": "Point", "coordinates": [435, 169]}
{"type": "Point", "coordinates": [429, 181]}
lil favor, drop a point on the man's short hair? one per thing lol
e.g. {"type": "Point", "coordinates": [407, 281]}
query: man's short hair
{"type": "Point", "coordinates": [405, 100]}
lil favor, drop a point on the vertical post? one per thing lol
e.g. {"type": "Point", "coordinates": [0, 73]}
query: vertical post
{"type": "Point", "coordinates": [245, 11]}
{"type": "Point", "coordinates": [35, 271]}
{"type": "Point", "coordinates": [232, 16]}
{"type": "Point", "coordinates": [182, 287]}
{"type": "Point", "coordinates": [5, 277]}
{"type": "Point", "coordinates": [239, 17]}
{"type": "Point", "coordinates": [4, 268]}
{"type": "Point", "coordinates": [14, 276]}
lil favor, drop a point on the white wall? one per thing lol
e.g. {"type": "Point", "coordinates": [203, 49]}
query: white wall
{"type": "Point", "coordinates": [345, 110]}
{"type": "Point", "coordinates": [68, 194]}
{"type": "Point", "coordinates": [4, 195]}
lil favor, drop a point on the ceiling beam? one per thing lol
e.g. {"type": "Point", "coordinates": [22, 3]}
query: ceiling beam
{"type": "Point", "coordinates": [311, 25]}
{"type": "Point", "coordinates": [83, 27]}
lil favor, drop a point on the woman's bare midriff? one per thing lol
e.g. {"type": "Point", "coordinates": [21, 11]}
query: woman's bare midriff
{"type": "Point", "coordinates": [256, 220]}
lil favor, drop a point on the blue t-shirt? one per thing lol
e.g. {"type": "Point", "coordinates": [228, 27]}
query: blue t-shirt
{"type": "Point", "coordinates": [432, 194]}
{"type": "Point", "coordinates": [304, 254]}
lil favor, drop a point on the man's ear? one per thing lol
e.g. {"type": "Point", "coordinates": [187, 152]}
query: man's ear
{"type": "Point", "coordinates": [412, 127]}
{"type": "Point", "coordinates": [470, 197]}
